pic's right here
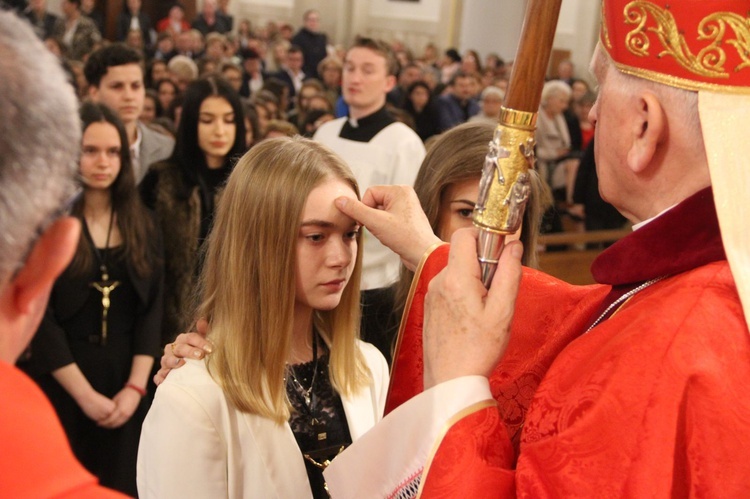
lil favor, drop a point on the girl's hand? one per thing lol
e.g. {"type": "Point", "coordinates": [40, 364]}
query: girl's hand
{"type": "Point", "coordinates": [96, 406]}
{"type": "Point", "coordinates": [187, 345]}
{"type": "Point", "coordinates": [126, 402]}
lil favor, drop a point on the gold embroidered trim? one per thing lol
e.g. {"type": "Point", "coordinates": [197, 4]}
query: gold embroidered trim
{"type": "Point", "coordinates": [484, 404]}
{"type": "Point", "coordinates": [407, 306]}
{"type": "Point", "coordinates": [676, 81]}
{"type": "Point", "coordinates": [709, 62]}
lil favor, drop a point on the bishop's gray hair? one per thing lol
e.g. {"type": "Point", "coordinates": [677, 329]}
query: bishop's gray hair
{"type": "Point", "coordinates": [40, 136]}
{"type": "Point", "coordinates": [682, 104]}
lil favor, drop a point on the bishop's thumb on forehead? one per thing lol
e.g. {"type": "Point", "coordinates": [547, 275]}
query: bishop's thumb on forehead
{"type": "Point", "coordinates": [354, 209]}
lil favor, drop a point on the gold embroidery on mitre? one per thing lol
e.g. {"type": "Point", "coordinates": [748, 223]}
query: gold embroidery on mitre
{"type": "Point", "coordinates": [716, 32]}
{"type": "Point", "coordinates": [710, 60]}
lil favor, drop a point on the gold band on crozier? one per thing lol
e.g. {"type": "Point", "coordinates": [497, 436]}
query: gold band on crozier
{"type": "Point", "coordinates": [517, 119]}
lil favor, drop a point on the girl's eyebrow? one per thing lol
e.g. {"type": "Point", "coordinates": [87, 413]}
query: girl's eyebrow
{"type": "Point", "coordinates": [323, 223]}
{"type": "Point", "coordinates": [318, 223]}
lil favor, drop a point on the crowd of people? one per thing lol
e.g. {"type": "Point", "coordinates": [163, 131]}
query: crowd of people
{"type": "Point", "coordinates": [270, 64]}
{"type": "Point", "coordinates": [189, 160]}
{"type": "Point", "coordinates": [290, 82]}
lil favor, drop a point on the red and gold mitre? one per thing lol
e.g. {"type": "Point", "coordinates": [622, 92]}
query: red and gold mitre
{"type": "Point", "coordinates": [691, 44]}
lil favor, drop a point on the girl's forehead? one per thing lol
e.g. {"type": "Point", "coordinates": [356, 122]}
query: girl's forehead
{"type": "Point", "coordinates": [320, 201]}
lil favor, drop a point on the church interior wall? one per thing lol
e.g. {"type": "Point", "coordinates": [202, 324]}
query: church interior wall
{"type": "Point", "coordinates": [483, 25]}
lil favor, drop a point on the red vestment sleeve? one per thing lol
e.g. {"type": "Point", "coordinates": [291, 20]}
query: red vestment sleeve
{"type": "Point", "coordinates": [474, 459]}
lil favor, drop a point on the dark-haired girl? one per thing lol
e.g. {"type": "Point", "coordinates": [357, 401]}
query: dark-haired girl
{"type": "Point", "coordinates": [95, 348]}
{"type": "Point", "coordinates": [183, 189]}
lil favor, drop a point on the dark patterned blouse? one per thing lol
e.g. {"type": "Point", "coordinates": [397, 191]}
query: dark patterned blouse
{"type": "Point", "coordinates": [318, 420]}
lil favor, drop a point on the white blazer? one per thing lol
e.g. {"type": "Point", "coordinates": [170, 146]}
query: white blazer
{"type": "Point", "coordinates": [195, 443]}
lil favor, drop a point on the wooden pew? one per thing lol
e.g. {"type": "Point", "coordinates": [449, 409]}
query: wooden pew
{"type": "Point", "coordinates": [573, 265]}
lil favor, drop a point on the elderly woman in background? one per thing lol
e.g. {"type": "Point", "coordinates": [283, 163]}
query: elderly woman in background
{"type": "Point", "coordinates": [553, 150]}
{"type": "Point", "coordinates": [491, 101]}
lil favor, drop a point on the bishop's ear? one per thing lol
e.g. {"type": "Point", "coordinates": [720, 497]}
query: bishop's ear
{"type": "Point", "coordinates": [647, 129]}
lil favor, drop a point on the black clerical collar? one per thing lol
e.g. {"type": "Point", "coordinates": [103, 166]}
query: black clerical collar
{"type": "Point", "coordinates": [364, 129]}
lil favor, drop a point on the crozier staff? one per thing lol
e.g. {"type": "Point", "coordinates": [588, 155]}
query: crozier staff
{"type": "Point", "coordinates": [505, 185]}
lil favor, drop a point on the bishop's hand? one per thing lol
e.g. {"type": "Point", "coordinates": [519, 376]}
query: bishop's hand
{"type": "Point", "coordinates": [467, 326]}
{"type": "Point", "coordinates": [392, 214]}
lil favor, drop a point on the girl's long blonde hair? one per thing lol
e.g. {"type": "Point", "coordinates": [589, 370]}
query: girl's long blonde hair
{"type": "Point", "coordinates": [248, 281]}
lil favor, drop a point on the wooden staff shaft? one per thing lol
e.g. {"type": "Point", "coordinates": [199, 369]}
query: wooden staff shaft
{"type": "Point", "coordinates": [532, 57]}
{"type": "Point", "coordinates": [505, 186]}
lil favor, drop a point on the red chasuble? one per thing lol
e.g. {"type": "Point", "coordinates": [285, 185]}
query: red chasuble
{"type": "Point", "coordinates": [650, 402]}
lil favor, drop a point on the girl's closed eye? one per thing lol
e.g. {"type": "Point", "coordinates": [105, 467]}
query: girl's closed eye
{"type": "Point", "coordinates": [352, 234]}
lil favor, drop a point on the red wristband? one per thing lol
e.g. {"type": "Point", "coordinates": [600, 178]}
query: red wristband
{"type": "Point", "coordinates": [141, 391]}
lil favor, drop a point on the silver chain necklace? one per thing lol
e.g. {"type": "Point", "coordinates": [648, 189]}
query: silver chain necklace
{"type": "Point", "coordinates": [621, 299]}
{"type": "Point", "coordinates": [306, 393]}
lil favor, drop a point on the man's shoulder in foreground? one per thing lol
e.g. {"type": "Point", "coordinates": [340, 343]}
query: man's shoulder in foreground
{"type": "Point", "coordinates": [37, 460]}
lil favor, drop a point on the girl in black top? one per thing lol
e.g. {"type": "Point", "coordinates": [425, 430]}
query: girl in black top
{"type": "Point", "coordinates": [96, 345]}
